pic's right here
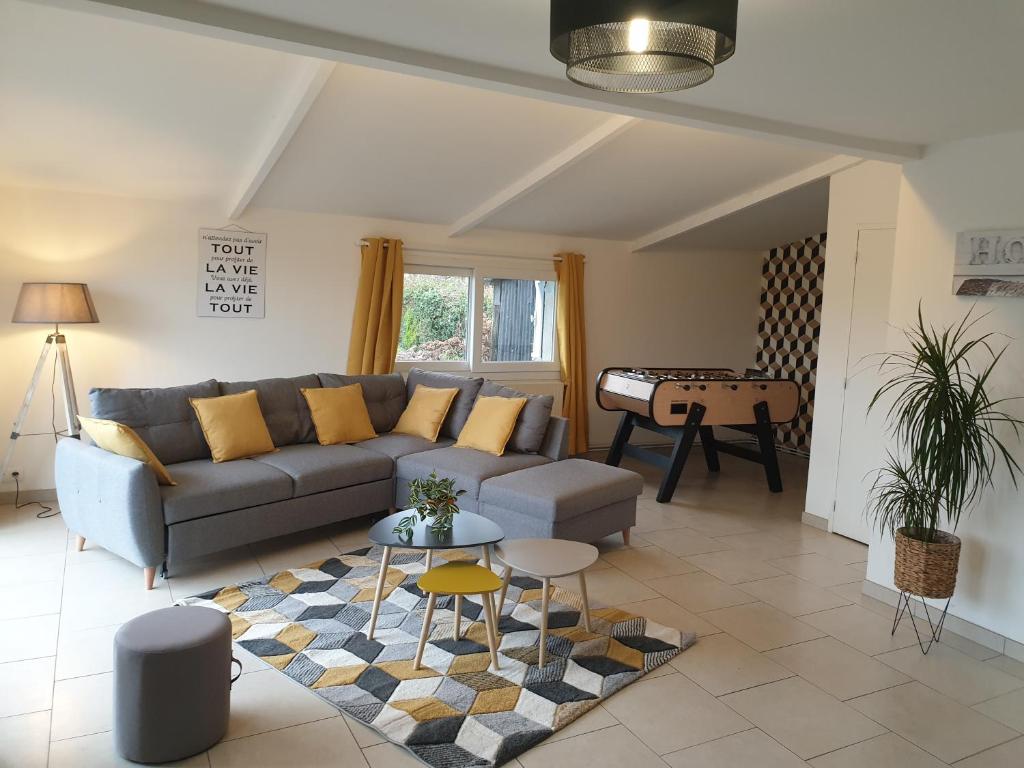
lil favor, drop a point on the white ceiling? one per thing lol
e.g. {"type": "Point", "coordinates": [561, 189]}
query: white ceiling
{"type": "Point", "coordinates": [393, 146]}
{"type": "Point", "coordinates": [649, 176]}
{"type": "Point", "coordinates": [182, 100]}
{"type": "Point", "coordinates": [790, 217]}
{"type": "Point", "coordinates": [94, 105]}
{"type": "Point", "coordinates": [852, 67]}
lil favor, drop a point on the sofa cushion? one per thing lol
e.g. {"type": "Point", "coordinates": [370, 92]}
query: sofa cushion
{"type": "Point", "coordinates": [205, 488]}
{"type": "Point", "coordinates": [532, 423]}
{"type": "Point", "coordinates": [562, 490]}
{"type": "Point", "coordinates": [162, 417]}
{"type": "Point", "coordinates": [384, 395]}
{"type": "Point", "coordinates": [396, 446]}
{"type": "Point", "coordinates": [319, 468]}
{"type": "Point", "coordinates": [463, 404]}
{"type": "Point", "coordinates": [284, 408]}
{"type": "Point", "coordinates": [468, 466]}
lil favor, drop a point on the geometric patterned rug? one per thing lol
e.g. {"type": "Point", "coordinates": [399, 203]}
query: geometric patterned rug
{"type": "Point", "coordinates": [310, 624]}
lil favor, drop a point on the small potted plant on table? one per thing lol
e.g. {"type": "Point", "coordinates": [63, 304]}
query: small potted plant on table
{"type": "Point", "coordinates": [944, 425]}
{"type": "Point", "coordinates": [433, 499]}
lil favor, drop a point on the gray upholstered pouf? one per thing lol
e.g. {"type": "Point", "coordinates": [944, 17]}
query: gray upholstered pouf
{"type": "Point", "coordinates": [172, 683]}
{"type": "Point", "coordinates": [575, 499]}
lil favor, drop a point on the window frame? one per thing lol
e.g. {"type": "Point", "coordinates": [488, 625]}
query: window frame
{"type": "Point", "coordinates": [478, 270]}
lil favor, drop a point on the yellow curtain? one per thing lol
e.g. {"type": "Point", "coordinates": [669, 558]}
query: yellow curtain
{"type": "Point", "coordinates": [572, 349]}
{"type": "Point", "coordinates": [377, 318]}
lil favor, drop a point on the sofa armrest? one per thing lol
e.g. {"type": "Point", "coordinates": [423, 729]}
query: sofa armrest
{"type": "Point", "coordinates": [111, 500]}
{"type": "Point", "coordinates": [556, 439]}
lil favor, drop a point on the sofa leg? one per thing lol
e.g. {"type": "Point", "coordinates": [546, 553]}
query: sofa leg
{"type": "Point", "coordinates": [149, 574]}
{"type": "Point", "coordinates": [625, 536]}
{"type": "Point", "coordinates": [79, 543]}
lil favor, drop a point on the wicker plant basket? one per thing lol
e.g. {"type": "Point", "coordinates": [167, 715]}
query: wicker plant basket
{"type": "Point", "coordinates": [927, 569]}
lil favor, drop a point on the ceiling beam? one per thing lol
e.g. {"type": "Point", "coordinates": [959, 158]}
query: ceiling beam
{"type": "Point", "coordinates": [234, 24]}
{"type": "Point", "coordinates": [734, 204]}
{"type": "Point", "coordinates": [548, 169]}
{"type": "Point", "coordinates": [310, 81]}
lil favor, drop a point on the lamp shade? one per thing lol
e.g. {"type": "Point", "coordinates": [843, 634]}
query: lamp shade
{"type": "Point", "coordinates": [54, 303]}
{"type": "Point", "coordinates": [642, 46]}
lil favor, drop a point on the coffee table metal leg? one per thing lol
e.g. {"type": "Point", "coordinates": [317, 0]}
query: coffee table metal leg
{"type": "Point", "coordinates": [487, 556]}
{"type": "Point", "coordinates": [385, 559]}
{"type": "Point", "coordinates": [458, 616]}
{"type": "Point", "coordinates": [425, 632]}
{"type": "Point", "coordinates": [586, 601]}
{"type": "Point", "coordinates": [491, 630]}
{"type": "Point", "coordinates": [505, 579]}
{"type": "Point", "coordinates": [545, 600]}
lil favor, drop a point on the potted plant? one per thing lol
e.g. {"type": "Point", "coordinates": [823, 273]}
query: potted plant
{"type": "Point", "coordinates": [433, 499]}
{"type": "Point", "coordinates": [945, 425]}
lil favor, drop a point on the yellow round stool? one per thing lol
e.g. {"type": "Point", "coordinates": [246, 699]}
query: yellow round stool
{"type": "Point", "coordinates": [460, 579]}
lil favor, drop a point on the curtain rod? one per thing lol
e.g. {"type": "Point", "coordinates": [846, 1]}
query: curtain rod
{"type": "Point", "coordinates": [453, 252]}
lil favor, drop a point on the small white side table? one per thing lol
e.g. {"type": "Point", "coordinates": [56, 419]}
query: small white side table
{"type": "Point", "coordinates": [546, 559]}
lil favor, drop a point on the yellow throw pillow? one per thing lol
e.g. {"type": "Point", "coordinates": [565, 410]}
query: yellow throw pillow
{"type": "Point", "coordinates": [490, 424]}
{"type": "Point", "coordinates": [339, 414]}
{"type": "Point", "coordinates": [233, 425]}
{"type": "Point", "coordinates": [425, 413]}
{"type": "Point", "coordinates": [122, 440]}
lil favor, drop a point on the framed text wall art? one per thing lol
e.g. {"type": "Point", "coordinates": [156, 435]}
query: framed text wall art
{"type": "Point", "coordinates": [232, 273]}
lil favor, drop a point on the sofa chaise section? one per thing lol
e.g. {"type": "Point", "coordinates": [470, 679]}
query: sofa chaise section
{"type": "Point", "coordinates": [467, 466]}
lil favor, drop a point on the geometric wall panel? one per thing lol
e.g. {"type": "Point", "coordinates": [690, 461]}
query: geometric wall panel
{"type": "Point", "coordinates": [792, 278]}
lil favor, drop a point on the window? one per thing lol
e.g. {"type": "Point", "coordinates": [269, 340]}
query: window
{"type": "Point", "coordinates": [478, 317]}
{"type": "Point", "coordinates": [518, 320]}
{"type": "Point", "coordinates": [435, 315]}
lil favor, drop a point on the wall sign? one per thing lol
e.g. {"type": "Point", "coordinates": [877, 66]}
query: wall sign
{"type": "Point", "coordinates": [232, 273]}
{"type": "Point", "coordinates": [989, 263]}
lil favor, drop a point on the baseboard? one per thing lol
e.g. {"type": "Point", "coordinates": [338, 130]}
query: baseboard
{"type": "Point", "coordinates": [814, 521]}
{"type": "Point", "coordinates": [966, 629]}
{"type": "Point", "coordinates": [43, 494]}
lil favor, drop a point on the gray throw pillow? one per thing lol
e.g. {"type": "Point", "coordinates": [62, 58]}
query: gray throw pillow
{"type": "Point", "coordinates": [463, 404]}
{"type": "Point", "coordinates": [532, 424]}
{"type": "Point", "coordinates": [384, 395]}
{"type": "Point", "coordinates": [283, 406]}
{"type": "Point", "coordinates": [162, 417]}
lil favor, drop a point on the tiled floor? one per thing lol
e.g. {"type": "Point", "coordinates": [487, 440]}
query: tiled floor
{"type": "Point", "coordinates": [793, 666]}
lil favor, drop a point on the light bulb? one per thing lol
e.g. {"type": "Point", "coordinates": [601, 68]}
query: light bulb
{"type": "Point", "coordinates": [639, 35]}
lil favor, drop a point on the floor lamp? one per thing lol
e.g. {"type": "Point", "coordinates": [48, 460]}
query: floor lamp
{"type": "Point", "coordinates": [51, 303]}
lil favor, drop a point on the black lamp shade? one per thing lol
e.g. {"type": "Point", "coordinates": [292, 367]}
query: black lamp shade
{"type": "Point", "coordinates": [642, 46]}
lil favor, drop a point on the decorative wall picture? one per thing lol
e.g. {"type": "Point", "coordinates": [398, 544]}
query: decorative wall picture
{"type": "Point", "coordinates": [989, 263]}
{"type": "Point", "coordinates": [232, 273]}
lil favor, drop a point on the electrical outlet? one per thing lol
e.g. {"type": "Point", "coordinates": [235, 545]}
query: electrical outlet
{"type": "Point", "coordinates": [12, 473]}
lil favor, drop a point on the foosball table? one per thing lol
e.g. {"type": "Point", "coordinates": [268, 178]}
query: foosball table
{"type": "Point", "coordinates": [682, 403]}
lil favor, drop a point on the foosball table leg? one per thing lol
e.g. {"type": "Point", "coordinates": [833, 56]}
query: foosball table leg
{"type": "Point", "coordinates": [766, 441]}
{"type": "Point", "coordinates": [619, 441]}
{"type": "Point", "coordinates": [679, 453]}
{"type": "Point", "coordinates": [707, 442]}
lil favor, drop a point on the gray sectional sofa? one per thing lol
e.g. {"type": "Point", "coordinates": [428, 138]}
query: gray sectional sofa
{"type": "Point", "coordinates": [116, 502]}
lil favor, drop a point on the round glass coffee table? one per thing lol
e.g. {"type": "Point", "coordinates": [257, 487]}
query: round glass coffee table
{"type": "Point", "coordinates": [468, 530]}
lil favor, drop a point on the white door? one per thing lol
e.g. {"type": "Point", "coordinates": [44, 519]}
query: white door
{"type": "Point", "coordinates": [861, 449]}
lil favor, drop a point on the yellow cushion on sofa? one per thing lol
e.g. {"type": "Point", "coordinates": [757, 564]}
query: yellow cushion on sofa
{"type": "Point", "coordinates": [490, 424]}
{"type": "Point", "coordinates": [339, 414]}
{"type": "Point", "coordinates": [425, 413]}
{"type": "Point", "coordinates": [233, 425]}
{"type": "Point", "coordinates": [122, 440]}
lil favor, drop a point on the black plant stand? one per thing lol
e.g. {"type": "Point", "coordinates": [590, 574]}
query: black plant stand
{"type": "Point", "coordinates": [904, 607]}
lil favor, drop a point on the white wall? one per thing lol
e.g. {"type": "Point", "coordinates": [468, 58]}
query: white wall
{"type": "Point", "coordinates": [140, 257]}
{"type": "Point", "coordinates": [866, 194]}
{"type": "Point", "coordinates": [972, 184]}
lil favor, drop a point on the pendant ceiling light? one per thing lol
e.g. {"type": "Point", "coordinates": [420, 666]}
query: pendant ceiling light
{"type": "Point", "coordinates": [642, 46]}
